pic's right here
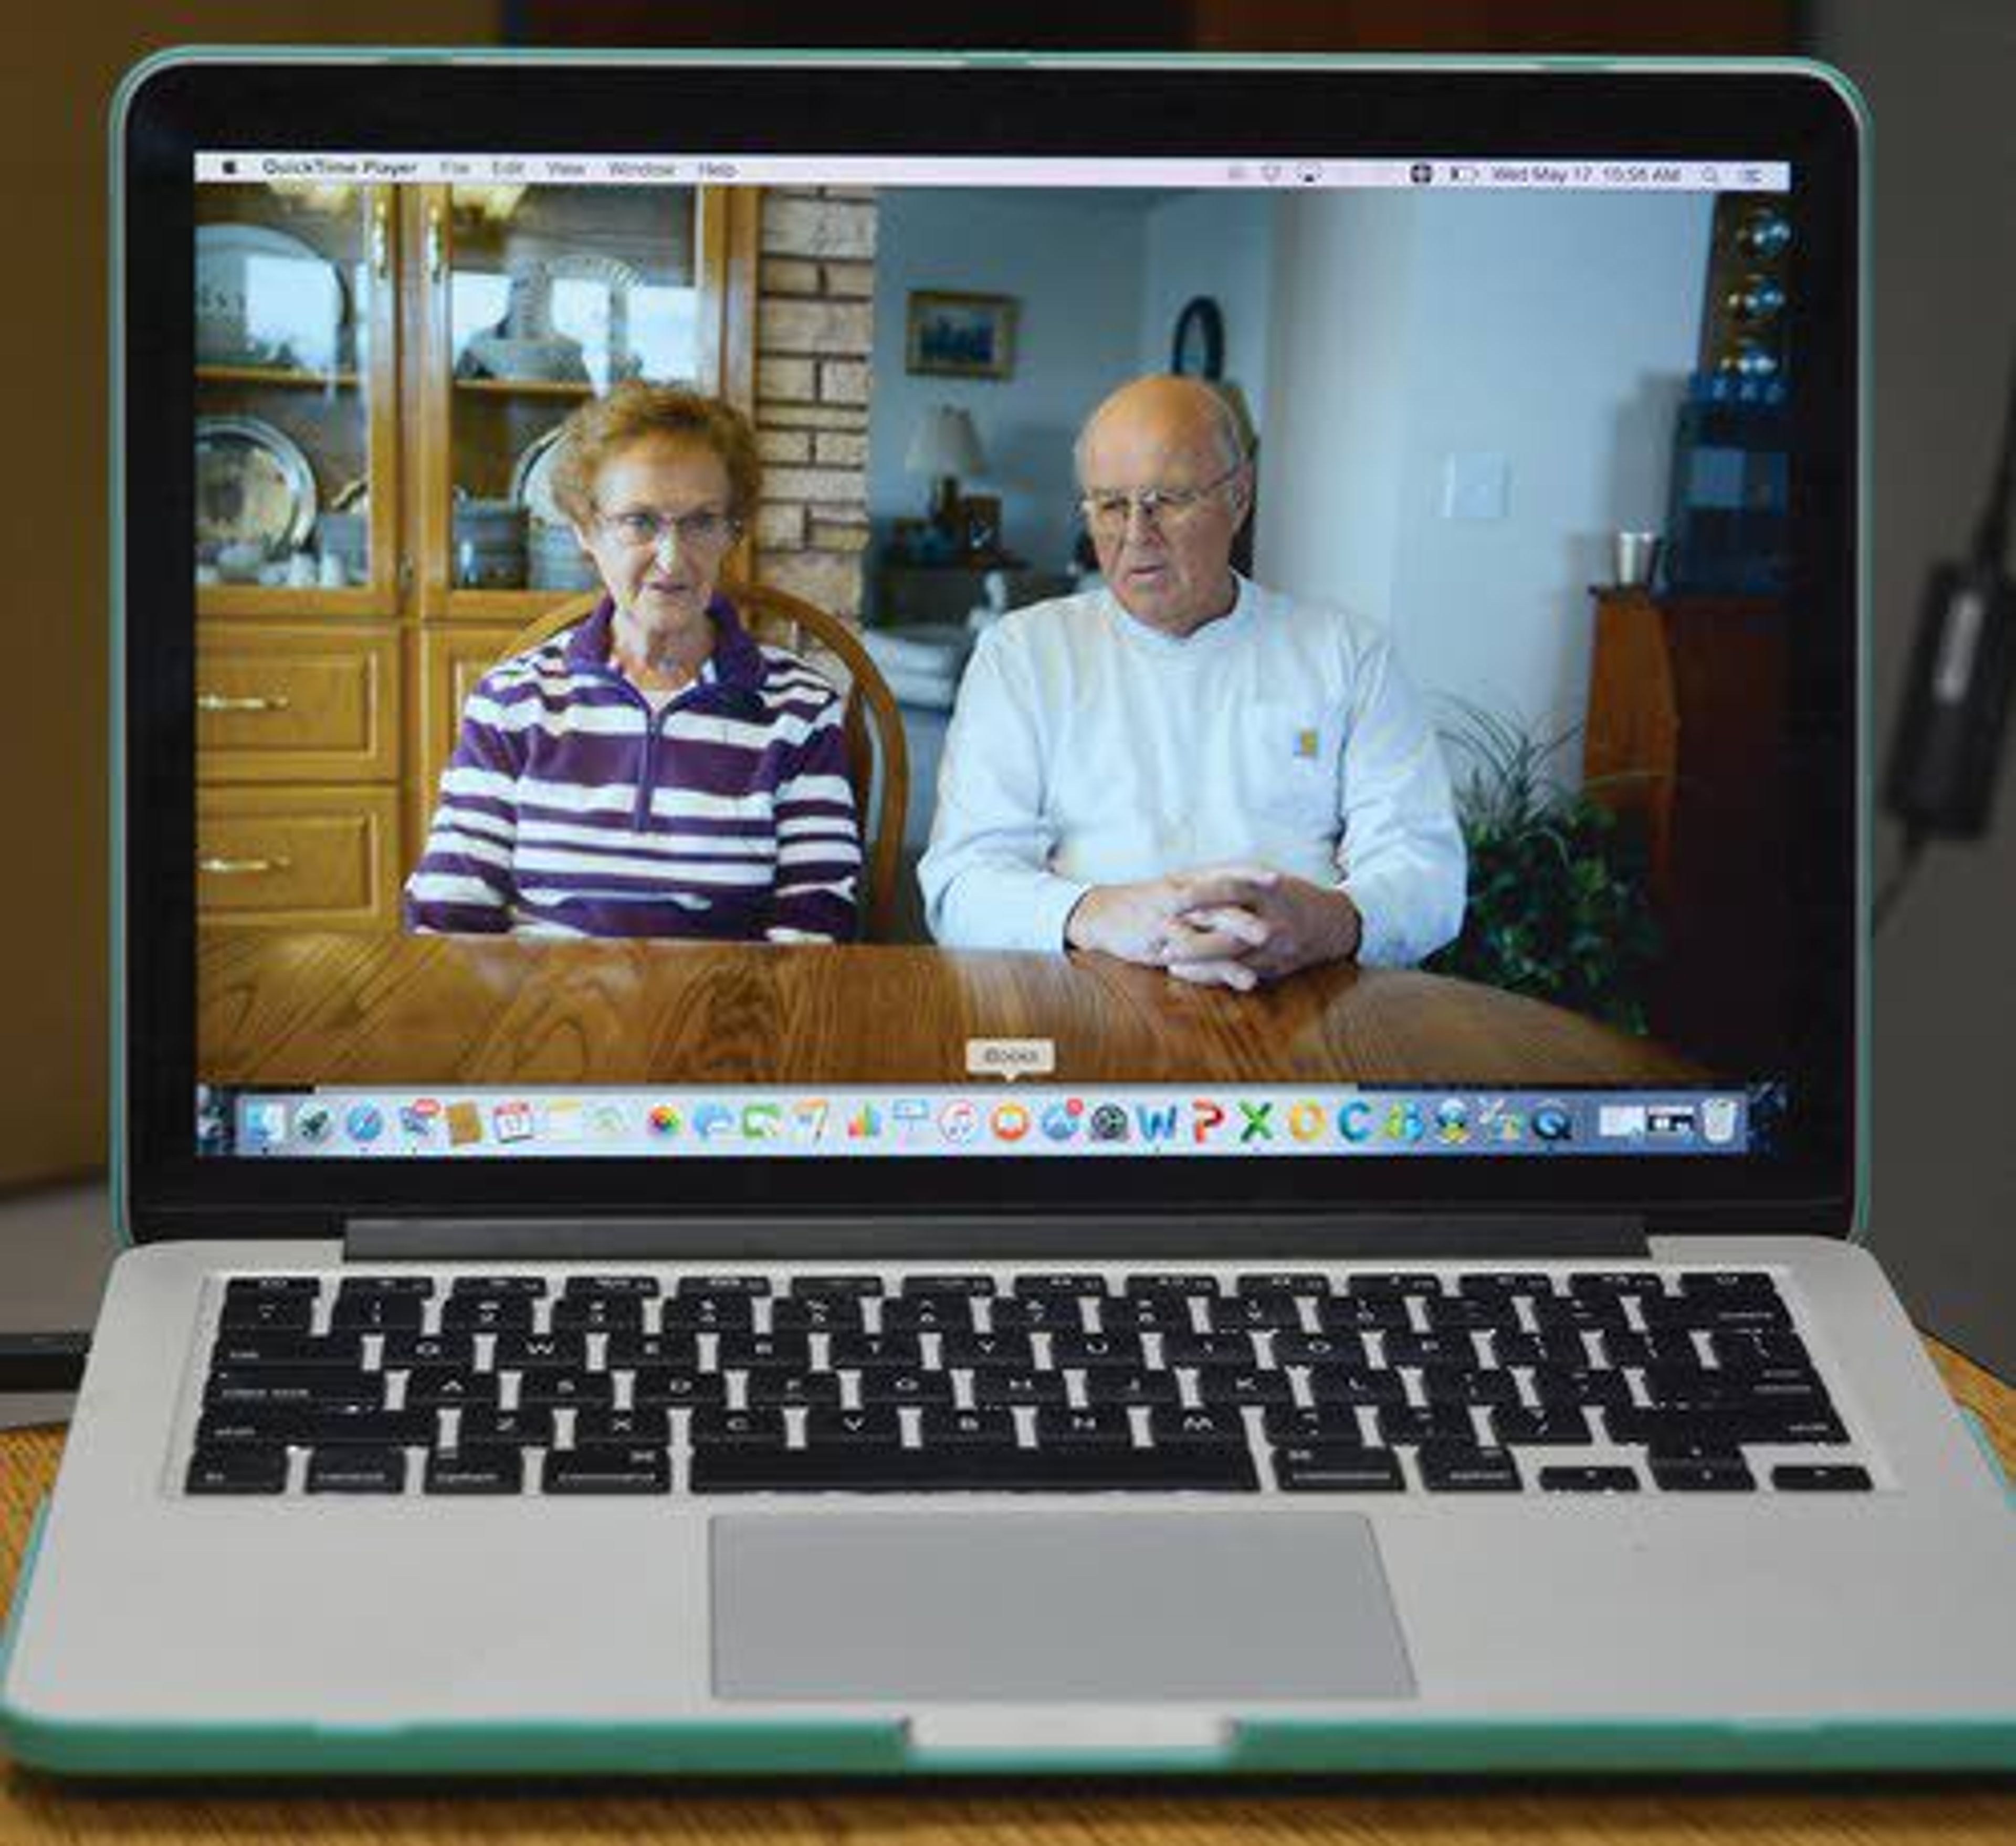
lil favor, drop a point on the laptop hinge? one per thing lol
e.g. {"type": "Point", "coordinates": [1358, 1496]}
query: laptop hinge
{"type": "Point", "coordinates": [1082, 1235]}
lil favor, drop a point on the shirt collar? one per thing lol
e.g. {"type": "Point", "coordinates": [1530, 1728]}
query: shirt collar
{"type": "Point", "coordinates": [1217, 633]}
{"type": "Point", "coordinates": [736, 661]}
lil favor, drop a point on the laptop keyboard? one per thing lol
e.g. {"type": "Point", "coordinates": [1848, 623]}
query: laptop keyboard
{"type": "Point", "coordinates": [1495, 1381]}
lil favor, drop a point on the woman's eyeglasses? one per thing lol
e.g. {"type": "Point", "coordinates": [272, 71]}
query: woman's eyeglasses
{"type": "Point", "coordinates": [642, 530]}
{"type": "Point", "coordinates": [1165, 509]}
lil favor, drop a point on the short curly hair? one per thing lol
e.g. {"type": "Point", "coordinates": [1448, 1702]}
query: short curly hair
{"type": "Point", "coordinates": [635, 412]}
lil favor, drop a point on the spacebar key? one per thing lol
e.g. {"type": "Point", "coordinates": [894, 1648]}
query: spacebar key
{"type": "Point", "coordinates": [955, 1469]}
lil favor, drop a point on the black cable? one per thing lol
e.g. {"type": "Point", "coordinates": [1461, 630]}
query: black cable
{"type": "Point", "coordinates": [1899, 882]}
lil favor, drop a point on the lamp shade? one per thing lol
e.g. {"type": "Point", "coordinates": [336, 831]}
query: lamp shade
{"type": "Point", "coordinates": [944, 443]}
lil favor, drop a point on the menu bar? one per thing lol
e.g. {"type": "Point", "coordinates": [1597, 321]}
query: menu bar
{"type": "Point", "coordinates": [1265, 173]}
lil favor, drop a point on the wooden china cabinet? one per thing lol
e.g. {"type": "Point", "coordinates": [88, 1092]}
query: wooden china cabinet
{"type": "Point", "coordinates": [380, 372]}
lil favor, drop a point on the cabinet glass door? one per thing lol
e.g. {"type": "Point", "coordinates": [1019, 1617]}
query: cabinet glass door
{"type": "Point", "coordinates": [552, 293]}
{"type": "Point", "coordinates": [296, 426]}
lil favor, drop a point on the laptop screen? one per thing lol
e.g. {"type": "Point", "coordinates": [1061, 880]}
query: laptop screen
{"type": "Point", "coordinates": [708, 655]}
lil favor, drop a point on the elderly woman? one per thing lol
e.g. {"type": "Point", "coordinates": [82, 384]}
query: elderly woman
{"type": "Point", "coordinates": [651, 771]}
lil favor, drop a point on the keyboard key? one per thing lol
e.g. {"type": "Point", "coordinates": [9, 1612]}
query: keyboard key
{"type": "Point", "coordinates": [1336, 1468]}
{"type": "Point", "coordinates": [1726, 1284]}
{"type": "Point", "coordinates": [238, 1467]}
{"type": "Point", "coordinates": [1430, 1349]}
{"type": "Point", "coordinates": [853, 1287]}
{"type": "Point", "coordinates": [1393, 1281]}
{"type": "Point", "coordinates": [1252, 1313]}
{"type": "Point", "coordinates": [1563, 1425]}
{"type": "Point", "coordinates": [354, 1287]}
{"type": "Point", "coordinates": [377, 1312]}
{"type": "Point", "coordinates": [1579, 1313]}
{"type": "Point", "coordinates": [1018, 1387]}
{"type": "Point", "coordinates": [281, 1385]}
{"type": "Point", "coordinates": [561, 1390]}
{"type": "Point", "coordinates": [876, 1425]}
{"type": "Point", "coordinates": [852, 1350]}
{"type": "Point", "coordinates": [928, 1314]}
{"type": "Point", "coordinates": [1147, 1314]}
{"type": "Point", "coordinates": [738, 1429]}
{"type": "Point", "coordinates": [1089, 1469]}
{"type": "Point", "coordinates": [648, 1427]}
{"type": "Point", "coordinates": [319, 1425]}
{"type": "Point", "coordinates": [1735, 1312]}
{"type": "Point", "coordinates": [1170, 1282]}
{"type": "Point", "coordinates": [899, 1385]}
{"type": "Point", "coordinates": [1461, 1468]}
{"type": "Point", "coordinates": [1582, 1384]}
{"type": "Point", "coordinates": [1452, 1314]}
{"type": "Point", "coordinates": [709, 1314]}
{"type": "Point", "coordinates": [1468, 1384]}
{"type": "Point", "coordinates": [402, 1352]}
{"type": "Point", "coordinates": [1703, 1473]}
{"type": "Point", "coordinates": [513, 1429]}
{"type": "Point", "coordinates": [472, 1470]}
{"type": "Point", "coordinates": [1499, 1283]}
{"type": "Point", "coordinates": [1208, 1349]}
{"type": "Point", "coordinates": [248, 1350]}
{"type": "Point", "coordinates": [1605, 1480]}
{"type": "Point", "coordinates": [1820, 1478]}
{"type": "Point", "coordinates": [1355, 1384]}
{"type": "Point", "coordinates": [598, 1314]}
{"type": "Point", "coordinates": [1312, 1349]}
{"type": "Point", "coordinates": [1001, 1351]}
{"type": "Point", "coordinates": [1592, 1284]}
{"type": "Point", "coordinates": [947, 1285]}
{"type": "Point", "coordinates": [676, 1387]}
{"type": "Point", "coordinates": [817, 1314]}
{"type": "Point", "coordinates": [532, 1286]}
{"type": "Point", "coordinates": [448, 1387]}
{"type": "Point", "coordinates": [1736, 1351]}
{"type": "Point", "coordinates": [1077, 1284]}
{"type": "Point", "coordinates": [1115, 1385]}
{"type": "Point", "coordinates": [242, 1287]}
{"type": "Point", "coordinates": [1213, 1423]}
{"type": "Point", "coordinates": [1039, 1314]}
{"type": "Point", "coordinates": [1283, 1282]}
{"type": "Point", "coordinates": [558, 1352]}
{"type": "Point", "coordinates": [352, 1469]}
{"type": "Point", "coordinates": [1106, 1425]}
{"type": "Point", "coordinates": [990, 1428]}
{"type": "Point", "coordinates": [268, 1313]}
{"type": "Point", "coordinates": [1564, 1349]}
{"type": "Point", "coordinates": [1404, 1425]}
{"type": "Point", "coordinates": [628, 1469]}
{"type": "Point", "coordinates": [642, 1287]}
{"type": "Point", "coordinates": [794, 1388]}
{"type": "Point", "coordinates": [1363, 1314]}
{"type": "Point", "coordinates": [1329, 1425]}
{"type": "Point", "coordinates": [723, 1287]}
{"type": "Point", "coordinates": [1076, 1351]}
{"type": "Point", "coordinates": [1218, 1387]}
{"type": "Point", "coordinates": [765, 1352]}
{"type": "Point", "coordinates": [486, 1314]}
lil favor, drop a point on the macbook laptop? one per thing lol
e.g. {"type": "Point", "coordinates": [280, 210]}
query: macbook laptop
{"type": "Point", "coordinates": [1265, 1179]}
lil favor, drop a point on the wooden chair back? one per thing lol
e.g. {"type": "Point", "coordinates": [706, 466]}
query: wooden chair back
{"type": "Point", "coordinates": [873, 725]}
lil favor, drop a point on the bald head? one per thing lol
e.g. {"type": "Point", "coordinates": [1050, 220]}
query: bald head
{"type": "Point", "coordinates": [1161, 464]}
{"type": "Point", "coordinates": [1179, 409]}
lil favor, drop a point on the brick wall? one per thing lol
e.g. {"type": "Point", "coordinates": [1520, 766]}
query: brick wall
{"type": "Point", "coordinates": [814, 331]}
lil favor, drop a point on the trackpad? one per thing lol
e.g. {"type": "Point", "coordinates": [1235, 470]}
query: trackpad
{"type": "Point", "coordinates": [1043, 1606]}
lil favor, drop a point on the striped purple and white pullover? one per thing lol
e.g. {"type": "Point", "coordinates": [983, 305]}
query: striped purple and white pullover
{"type": "Point", "coordinates": [569, 808]}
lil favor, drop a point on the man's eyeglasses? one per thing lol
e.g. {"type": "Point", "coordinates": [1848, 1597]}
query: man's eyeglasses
{"type": "Point", "coordinates": [1107, 513]}
{"type": "Point", "coordinates": [641, 529]}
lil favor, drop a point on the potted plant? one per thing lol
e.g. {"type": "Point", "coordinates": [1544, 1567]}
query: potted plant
{"type": "Point", "coordinates": [1557, 906]}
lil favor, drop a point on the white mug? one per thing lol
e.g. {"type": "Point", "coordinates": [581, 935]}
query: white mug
{"type": "Point", "coordinates": [331, 576]}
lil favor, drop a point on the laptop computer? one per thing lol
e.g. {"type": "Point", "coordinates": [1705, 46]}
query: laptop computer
{"type": "Point", "coordinates": [594, 1311]}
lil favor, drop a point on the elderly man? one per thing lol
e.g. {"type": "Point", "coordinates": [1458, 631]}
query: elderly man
{"type": "Point", "coordinates": [1184, 769]}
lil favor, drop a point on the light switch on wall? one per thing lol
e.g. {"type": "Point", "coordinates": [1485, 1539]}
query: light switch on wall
{"type": "Point", "coordinates": [1474, 486]}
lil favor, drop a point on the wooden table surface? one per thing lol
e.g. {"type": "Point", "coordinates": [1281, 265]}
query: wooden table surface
{"type": "Point", "coordinates": [287, 1009]}
{"type": "Point", "coordinates": [1082, 1813]}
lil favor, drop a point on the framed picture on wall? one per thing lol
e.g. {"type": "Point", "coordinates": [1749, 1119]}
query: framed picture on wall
{"type": "Point", "coordinates": [957, 336]}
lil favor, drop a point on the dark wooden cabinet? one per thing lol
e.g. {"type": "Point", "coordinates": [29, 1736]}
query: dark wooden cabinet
{"type": "Point", "coordinates": [1686, 740]}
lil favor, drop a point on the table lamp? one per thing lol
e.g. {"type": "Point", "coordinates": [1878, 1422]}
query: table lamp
{"type": "Point", "coordinates": [945, 446]}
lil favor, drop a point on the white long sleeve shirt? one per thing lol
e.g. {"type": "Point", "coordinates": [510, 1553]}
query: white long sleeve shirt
{"type": "Point", "coordinates": [1088, 749]}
